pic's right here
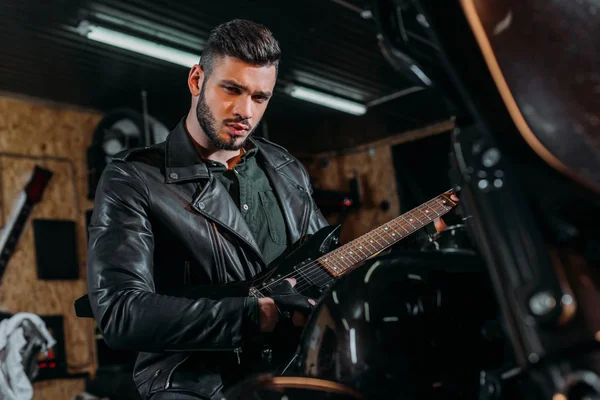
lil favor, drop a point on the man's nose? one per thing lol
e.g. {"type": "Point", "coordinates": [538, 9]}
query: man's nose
{"type": "Point", "coordinates": [243, 108]}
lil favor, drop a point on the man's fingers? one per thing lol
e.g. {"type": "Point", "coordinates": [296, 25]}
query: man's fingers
{"type": "Point", "coordinates": [454, 197]}
{"type": "Point", "coordinates": [292, 281]}
{"type": "Point", "coordinates": [439, 224]}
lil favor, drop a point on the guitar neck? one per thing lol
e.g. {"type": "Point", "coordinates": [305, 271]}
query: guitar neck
{"type": "Point", "coordinates": [9, 236]}
{"type": "Point", "coordinates": [346, 257]}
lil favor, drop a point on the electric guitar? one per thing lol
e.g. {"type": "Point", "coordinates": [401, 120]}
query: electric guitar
{"type": "Point", "coordinates": [317, 262]}
{"type": "Point", "coordinates": [31, 195]}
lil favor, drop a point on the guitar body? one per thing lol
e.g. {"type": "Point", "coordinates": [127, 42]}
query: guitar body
{"type": "Point", "coordinates": [298, 263]}
{"type": "Point", "coordinates": [271, 353]}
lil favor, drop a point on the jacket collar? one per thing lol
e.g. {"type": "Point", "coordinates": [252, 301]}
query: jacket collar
{"type": "Point", "coordinates": [183, 162]}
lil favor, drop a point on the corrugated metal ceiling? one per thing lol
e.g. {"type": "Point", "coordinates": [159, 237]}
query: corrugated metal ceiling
{"type": "Point", "coordinates": [326, 45]}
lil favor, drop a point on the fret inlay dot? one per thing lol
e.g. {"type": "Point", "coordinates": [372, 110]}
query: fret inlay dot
{"type": "Point", "coordinates": [393, 234]}
{"type": "Point", "coordinates": [411, 220]}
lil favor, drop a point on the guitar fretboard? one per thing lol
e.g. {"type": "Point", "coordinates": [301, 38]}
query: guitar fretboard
{"type": "Point", "coordinates": [348, 256]}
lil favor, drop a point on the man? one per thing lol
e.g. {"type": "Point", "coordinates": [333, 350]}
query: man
{"type": "Point", "coordinates": [210, 205]}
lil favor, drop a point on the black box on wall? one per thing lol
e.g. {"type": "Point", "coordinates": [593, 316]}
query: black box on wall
{"type": "Point", "coordinates": [56, 249]}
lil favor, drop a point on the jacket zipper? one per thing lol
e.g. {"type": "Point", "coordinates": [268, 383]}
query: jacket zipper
{"type": "Point", "coordinates": [220, 255]}
{"type": "Point", "coordinates": [186, 272]}
{"type": "Point", "coordinates": [168, 382]}
{"type": "Point", "coordinates": [220, 268]}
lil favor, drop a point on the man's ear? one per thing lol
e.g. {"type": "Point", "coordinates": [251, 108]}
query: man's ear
{"type": "Point", "coordinates": [195, 79]}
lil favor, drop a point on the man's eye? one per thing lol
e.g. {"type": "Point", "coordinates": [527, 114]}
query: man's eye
{"type": "Point", "coordinates": [231, 89]}
{"type": "Point", "coordinates": [260, 99]}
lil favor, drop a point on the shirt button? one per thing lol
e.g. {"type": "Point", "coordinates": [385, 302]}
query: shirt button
{"type": "Point", "coordinates": [201, 205]}
{"type": "Point", "coordinates": [173, 175]}
{"type": "Point", "coordinates": [245, 207]}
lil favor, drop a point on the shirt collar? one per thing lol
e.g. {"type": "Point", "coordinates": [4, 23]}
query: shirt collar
{"type": "Point", "coordinates": [184, 163]}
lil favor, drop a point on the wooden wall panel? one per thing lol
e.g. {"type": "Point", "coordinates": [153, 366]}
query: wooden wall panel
{"type": "Point", "coordinates": [374, 169]}
{"type": "Point", "coordinates": [60, 389]}
{"type": "Point", "coordinates": [55, 138]}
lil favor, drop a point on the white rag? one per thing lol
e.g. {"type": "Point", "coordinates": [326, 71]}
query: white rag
{"type": "Point", "coordinates": [14, 383]}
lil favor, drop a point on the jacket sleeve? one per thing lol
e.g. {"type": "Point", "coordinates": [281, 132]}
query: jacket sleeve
{"type": "Point", "coordinates": [120, 282]}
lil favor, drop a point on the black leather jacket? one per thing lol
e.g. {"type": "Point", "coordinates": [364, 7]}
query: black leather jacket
{"type": "Point", "coordinates": [160, 222]}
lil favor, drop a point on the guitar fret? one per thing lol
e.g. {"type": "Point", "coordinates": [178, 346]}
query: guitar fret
{"type": "Point", "coordinates": [325, 262]}
{"type": "Point", "coordinates": [341, 263]}
{"type": "Point", "coordinates": [431, 209]}
{"type": "Point", "coordinates": [425, 215]}
{"type": "Point", "coordinates": [397, 222]}
{"type": "Point", "coordinates": [441, 205]}
{"type": "Point", "coordinates": [357, 250]}
{"type": "Point", "coordinates": [408, 222]}
{"type": "Point", "coordinates": [416, 214]}
{"type": "Point", "coordinates": [385, 229]}
{"type": "Point", "coordinates": [414, 218]}
{"type": "Point", "coordinates": [440, 209]}
{"type": "Point", "coordinates": [395, 231]}
{"type": "Point", "coordinates": [386, 242]}
{"type": "Point", "coordinates": [367, 242]}
{"type": "Point", "coordinates": [418, 218]}
{"type": "Point", "coordinates": [351, 254]}
{"type": "Point", "coordinates": [342, 258]}
{"type": "Point", "coordinates": [370, 242]}
{"type": "Point", "coordinates": [360, 247]}
{"type": "Point", "coordinates": [334, 266]}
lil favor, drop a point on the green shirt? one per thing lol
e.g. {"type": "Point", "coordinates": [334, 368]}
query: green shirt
{"type": "Point", "coordinates": [251, 191]}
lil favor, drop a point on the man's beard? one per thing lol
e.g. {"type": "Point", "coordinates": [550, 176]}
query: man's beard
{"type": "Point", "coordinates": [208, 124]}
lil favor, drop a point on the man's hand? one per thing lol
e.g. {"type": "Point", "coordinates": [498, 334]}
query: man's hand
{"type": "Point", "coordinates": [285, 298]}
{"type": "Point", "coordinates": [439, 223]}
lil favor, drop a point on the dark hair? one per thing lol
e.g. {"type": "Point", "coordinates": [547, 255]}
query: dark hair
{"type": "Point", "coordinates": [247, 41]}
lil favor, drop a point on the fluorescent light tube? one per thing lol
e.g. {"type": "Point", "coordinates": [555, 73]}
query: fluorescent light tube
{"type": "Point", "coordinates": [138, 45]}
{"type": "Point", "coordinates": [326, 100]}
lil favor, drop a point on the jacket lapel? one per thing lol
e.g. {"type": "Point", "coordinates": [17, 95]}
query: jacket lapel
{"type": "Point", "coordinates": [290, 195]}
{"type": "Point", "coordinates": [214, 203]}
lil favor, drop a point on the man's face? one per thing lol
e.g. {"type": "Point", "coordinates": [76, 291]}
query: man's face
{"type": "Point", "coordinates": [233, 100]}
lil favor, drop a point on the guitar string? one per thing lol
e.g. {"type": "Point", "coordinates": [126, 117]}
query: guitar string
{"type": "Point", "coordinates": [317, 267]}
